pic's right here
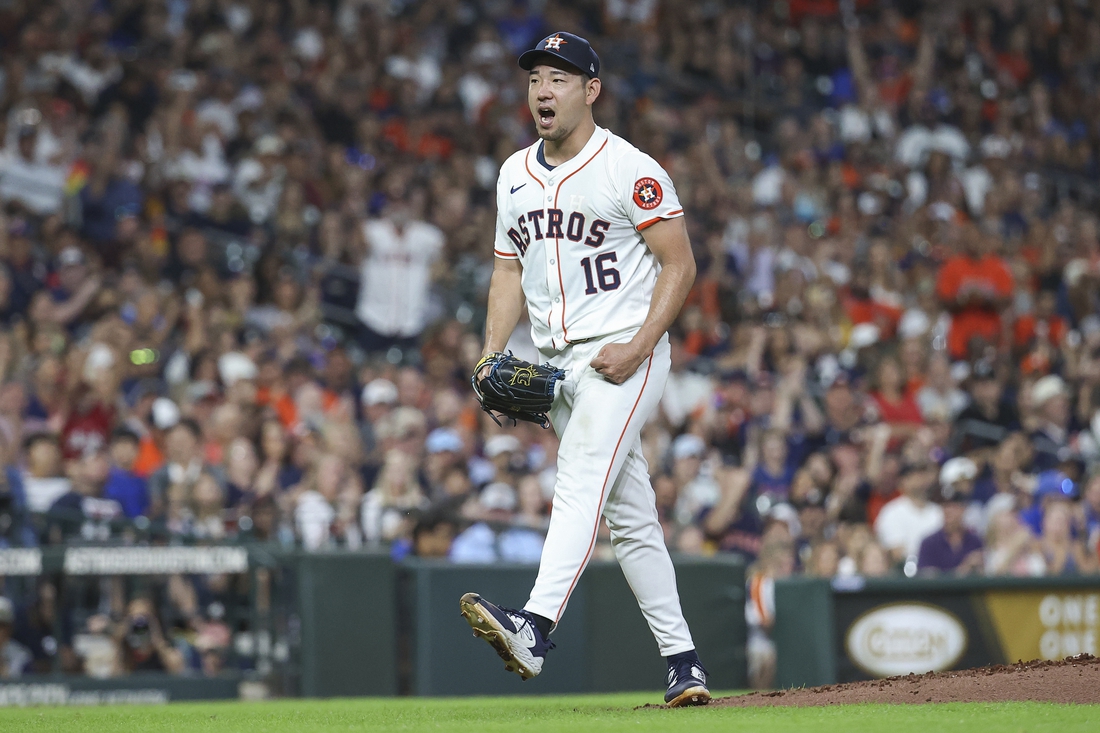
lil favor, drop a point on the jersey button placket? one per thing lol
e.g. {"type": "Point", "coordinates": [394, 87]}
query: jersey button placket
{"type": "Point", "coordinates": [552, 277]}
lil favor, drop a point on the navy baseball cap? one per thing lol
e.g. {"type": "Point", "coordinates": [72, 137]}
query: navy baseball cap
{"type": "Point", "coordinates": [571, 49]}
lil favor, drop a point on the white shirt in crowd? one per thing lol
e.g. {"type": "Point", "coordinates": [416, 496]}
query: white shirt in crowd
{"type": "Point", "coordinates": [314, 517]}
{"type": "Point", "coordinates": [43, 492]}
{"type": "Point", "coordinates": [903, 524]}
{"type": "Point", "coordinates": [256, 190]}
{"type": "Point", "coordinates": [685, 392]}
{"type": "Point", "coordinates": [38, 186]}
{"type": "Point", "coordinates": [395, 276]}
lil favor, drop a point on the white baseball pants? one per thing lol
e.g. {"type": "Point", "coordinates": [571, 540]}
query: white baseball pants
{"type": "Point", "coordinates": [602, 474]}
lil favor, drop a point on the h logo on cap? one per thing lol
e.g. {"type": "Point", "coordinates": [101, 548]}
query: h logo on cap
{"type": "Point", "coordinates": [555, 42]}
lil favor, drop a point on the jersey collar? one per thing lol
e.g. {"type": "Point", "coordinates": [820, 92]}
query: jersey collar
{"type": "Point", "coordinates": [559, 172]}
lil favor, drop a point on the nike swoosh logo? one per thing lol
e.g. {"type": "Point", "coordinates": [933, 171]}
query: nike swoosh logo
{"type": "Point", "coordinates": [516, 188]}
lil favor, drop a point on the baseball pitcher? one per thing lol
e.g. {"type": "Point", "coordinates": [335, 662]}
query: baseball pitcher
{"type": "Point", "coordinates": [591, 235]}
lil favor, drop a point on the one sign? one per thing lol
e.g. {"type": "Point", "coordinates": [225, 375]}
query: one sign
{"type": "Point", "coordinates": [900, 638]}
{"type": "Point", "coordinates": [155, 560]}
{"type": "Point", "coordinates": [1050, 624]}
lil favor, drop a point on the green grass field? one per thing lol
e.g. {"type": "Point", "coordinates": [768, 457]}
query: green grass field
{"type": "Point", "coordinates": [575, 713]}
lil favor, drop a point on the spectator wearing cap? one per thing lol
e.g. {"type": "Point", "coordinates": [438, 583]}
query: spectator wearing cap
{"type": "Point", "coordinates": [954, 548]}
{"type": "Point", "coordinates": [904, 522]}
{"type": "Point", "coordinates": [696, 489]}
{"type": "Point", "coordinates": [15, 659]}
{"type": "Point", "coordinates": [259, 179]}
{"type": "Point", "coordinates": [959, 475]}
{"type": "Point", "coordinates": [505, 453]}
{"type": "Point", "coordinates": [237, 372]}
{"type": "Point", "coordinates": [975, 286]}
{"type": "Point", "coordinates": [123, 485]}
{"type": "Point", "coordinates": [92, 412]}
{"type": "Point", "coordinates": [494, 538]}
{"type": "Point", "coordinates": [1051, 487]}
{"type": "Point", "coordinates": [154, 422]}
{"type": "Point", "coordinates": [1051, 438]}
{"type": "Point", "coordinates": [843, 409]}
{"type": "Point", "coordinates": [377, 400]}
{"type": "Point", "coordinates": [445, 453]}
{"type": "Point", "coordinates": [403, 255]}
{"type": "Point", "coordinates": [478, 542]}
{"type": "Point", "coordinates": [989, 418]}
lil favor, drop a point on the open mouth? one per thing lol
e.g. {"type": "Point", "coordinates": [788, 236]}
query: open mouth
{"type": "Point", "coordinates": [546, 117]}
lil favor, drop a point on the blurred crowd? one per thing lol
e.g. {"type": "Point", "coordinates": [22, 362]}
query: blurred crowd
{"type": "Point", "coordinates": [245, 247]}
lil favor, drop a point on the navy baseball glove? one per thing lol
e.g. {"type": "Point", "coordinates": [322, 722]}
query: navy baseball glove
{"type": "Point", "coordinates": [515, 388]}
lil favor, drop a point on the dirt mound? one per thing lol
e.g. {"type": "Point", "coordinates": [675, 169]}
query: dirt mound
{"type": "Point", "coordinates": [1072, 680]}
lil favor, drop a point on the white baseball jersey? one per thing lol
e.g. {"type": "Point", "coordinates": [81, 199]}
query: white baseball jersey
{"type": "Point", "coordinates": [395, 276]}
{"type": "Point", "coordinates": [576, 229]}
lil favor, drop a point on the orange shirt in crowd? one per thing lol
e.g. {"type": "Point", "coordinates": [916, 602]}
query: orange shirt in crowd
{"type": "Point", "coordinates": [149, 457]}
{"type": "Point", "coordinates": [1027, 327]}
{"type": "Point", "coordinates": [869, 310]}
{"type": "Point", "coordinates": [282, 404]}
{"type": "Point", "coordinates": [876, 502]}
{"type": "Point", "coordinates": [989, 276]}
{"type": "Point", "coordinates": [284, 407]}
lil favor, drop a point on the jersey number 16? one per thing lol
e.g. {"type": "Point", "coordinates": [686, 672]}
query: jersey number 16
{"type": "Point", "coordinates": [607, 277]}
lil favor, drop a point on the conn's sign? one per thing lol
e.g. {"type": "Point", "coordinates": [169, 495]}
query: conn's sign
{"type": "Point", "coordinates": [900, 638]}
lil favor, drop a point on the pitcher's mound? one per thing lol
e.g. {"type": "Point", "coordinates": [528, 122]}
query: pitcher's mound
{"type": "Point", "coordinates": [1072, 680]}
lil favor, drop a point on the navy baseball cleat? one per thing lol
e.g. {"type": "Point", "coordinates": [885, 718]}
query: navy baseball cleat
{"type": "Point", "coordinates": [511, 633]}
{"type": "Point", "coordinates": [687, 683]}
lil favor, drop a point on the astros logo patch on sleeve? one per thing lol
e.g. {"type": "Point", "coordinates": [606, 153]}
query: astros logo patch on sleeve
{"type": "Point", "coordinates": [647, 193]}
